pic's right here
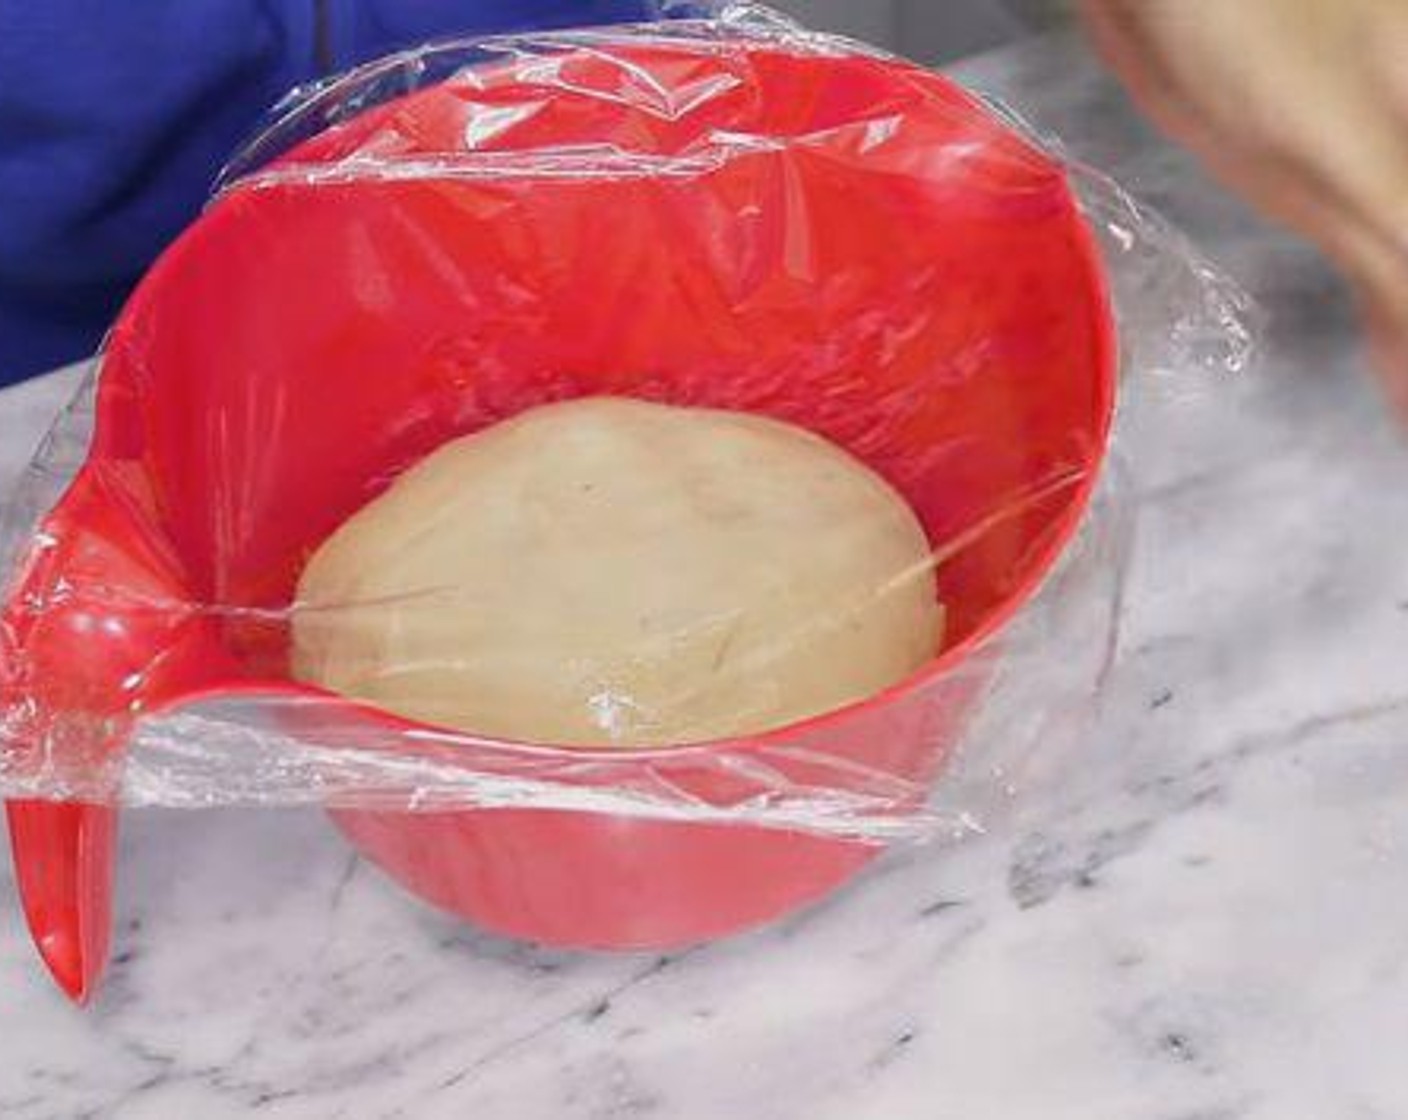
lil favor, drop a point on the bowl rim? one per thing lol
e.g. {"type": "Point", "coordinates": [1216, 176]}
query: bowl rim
{"type": "Point", "coordinates": [111, 398]}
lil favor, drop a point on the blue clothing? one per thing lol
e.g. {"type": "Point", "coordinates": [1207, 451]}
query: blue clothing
{"type": "Point", "coordinates": [116, 118]}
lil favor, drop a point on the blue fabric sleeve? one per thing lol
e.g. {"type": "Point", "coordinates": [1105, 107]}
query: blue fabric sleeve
{"type": "Point", "coordinates": [116, 118]}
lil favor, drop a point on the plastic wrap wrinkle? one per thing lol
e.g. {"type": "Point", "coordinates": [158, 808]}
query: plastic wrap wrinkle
{"type": "Point", "coordinates": [779, 299]}
{"type": "Point", "coordinates": [323, 775]}
{"type": "Point", "coordinates": [1179, 313]}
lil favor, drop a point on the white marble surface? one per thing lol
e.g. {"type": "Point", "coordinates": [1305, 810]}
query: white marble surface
{"type": "Point", "coordinates": [1206, 919]}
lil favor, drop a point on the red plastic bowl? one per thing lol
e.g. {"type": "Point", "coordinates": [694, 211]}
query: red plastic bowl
{"type": "Point", "coordinates": [894, 269]}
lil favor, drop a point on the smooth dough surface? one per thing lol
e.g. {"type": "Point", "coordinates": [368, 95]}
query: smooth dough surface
{"type": "Point", "coordinates": [608, 571]}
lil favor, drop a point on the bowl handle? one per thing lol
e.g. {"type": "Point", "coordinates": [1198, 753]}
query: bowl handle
{"type": "Point", "coordinates": [98, 628]}
{"type": "Point", "coordinates": [63, 853]}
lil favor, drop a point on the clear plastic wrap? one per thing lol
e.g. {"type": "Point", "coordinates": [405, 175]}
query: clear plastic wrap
{"type": "Point", "coordinates": [732, 213]}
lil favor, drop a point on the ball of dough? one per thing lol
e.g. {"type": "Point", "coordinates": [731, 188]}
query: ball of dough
{"type": "Point", "coordinates": [612, 572]}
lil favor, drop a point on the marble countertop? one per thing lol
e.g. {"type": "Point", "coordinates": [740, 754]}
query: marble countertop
{"type": "Point", "coordinates": [1204, 919]}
